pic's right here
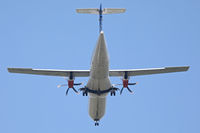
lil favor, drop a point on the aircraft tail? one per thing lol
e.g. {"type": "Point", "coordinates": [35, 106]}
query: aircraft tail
{"type": "Point", "coordinates": [101, 12]}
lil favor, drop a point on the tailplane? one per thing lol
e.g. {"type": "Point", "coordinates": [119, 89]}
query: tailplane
{"type": "Point", "coordinates": [101, 12]}
{"type": "Point", "coordinates": [88, 11]}
{"type": "Point", "coordinates": [104, 11]}
{"type": "Point", "coordinates": [113, 10]}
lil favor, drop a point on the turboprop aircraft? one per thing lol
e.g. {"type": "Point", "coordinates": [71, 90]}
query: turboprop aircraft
{"type": "Point", "coordinates": [99, 84]}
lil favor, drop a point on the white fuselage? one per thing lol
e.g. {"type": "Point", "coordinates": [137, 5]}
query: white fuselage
{"type": "Point", "coordinates": [99, 79]}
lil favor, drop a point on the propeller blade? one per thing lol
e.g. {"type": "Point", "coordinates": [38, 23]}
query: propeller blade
{"type": "Point", "coordinates": [121, 90]}
{"type": "Point", "coordinates": [129, 90]}
{"type": "Point", "coordinates": [75, 90]}
{"type": "Point", "coordinates": [61, 85]}
{"type": "Point", "coordinates": [128, 84]}
{"type": "Point", "coordinates": [117, 84]}
{"type": "Point", "coordinates": [67, 91]}
{"type": "Point", "coordinates": [132, 83]}
{"type": "Point", "coordinates": [75, 84]}
{"type": "Point", "coordinates": [78, 83]}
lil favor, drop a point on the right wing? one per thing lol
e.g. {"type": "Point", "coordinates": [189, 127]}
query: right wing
{"type": "Point", "coordinates": [51, 72]}
{"type": "Point", "coordinates": [147, 71]}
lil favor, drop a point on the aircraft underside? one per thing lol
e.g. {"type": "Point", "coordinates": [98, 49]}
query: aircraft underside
{"type": "Point", "coordinates": [99, 81]}
{"type": "Point", "coordinates": [99, 84]}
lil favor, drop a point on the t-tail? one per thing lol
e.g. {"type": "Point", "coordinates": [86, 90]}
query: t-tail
{"type": "Point", "coordinates": [101, 12]}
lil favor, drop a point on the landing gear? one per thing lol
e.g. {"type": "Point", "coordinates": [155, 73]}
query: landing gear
{"type": "Point", "coordinates": [85, 94]}
{"type": "Point", "coordinates": [84, 90]}
{"type": "Point", "coordinates": [112, 93]}
{"type": "Point", "coordinates": [96, 123]}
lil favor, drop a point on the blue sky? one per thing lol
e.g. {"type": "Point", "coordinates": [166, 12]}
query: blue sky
{"type": "Point", "coordinates": [51, 35]}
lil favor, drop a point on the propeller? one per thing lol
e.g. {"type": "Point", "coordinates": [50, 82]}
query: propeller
{"type": "Point", "coordinates": [126, 87]}
{"type": "Point", "coordinates": [73, 90]}
{"type": "Point", "coordinates": [128, 84]}
{"type": "Point", "coordinates": [75, 84]}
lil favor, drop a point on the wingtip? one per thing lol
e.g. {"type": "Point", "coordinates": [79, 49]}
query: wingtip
{"type": "Point", "coordinates": [9, 69]}
{"type": "Point", "coordinates": [179, 68]}
{"type": "Point", "coordinates": [16, 70]}
{"type": "Point", "coordinates": [187, 68]}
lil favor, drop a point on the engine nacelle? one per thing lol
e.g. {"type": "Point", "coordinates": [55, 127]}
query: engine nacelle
{"type": "Point", "coordinates": [125, 83]}
{"type": "Point", "coordinates": [70, 83]}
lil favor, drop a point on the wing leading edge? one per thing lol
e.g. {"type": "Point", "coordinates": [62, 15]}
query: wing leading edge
{"type": "Point", "coordinates": [86, 73]}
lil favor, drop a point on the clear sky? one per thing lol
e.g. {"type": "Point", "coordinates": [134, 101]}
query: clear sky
{"type": "Point", "coordinates": [49, 34]}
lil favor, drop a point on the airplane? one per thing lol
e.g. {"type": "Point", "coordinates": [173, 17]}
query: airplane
{"type": "Point", "coordinates": [99, 84]}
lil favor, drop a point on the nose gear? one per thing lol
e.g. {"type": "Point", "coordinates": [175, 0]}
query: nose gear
{"type": "Point", "coordinates": [96, 122]}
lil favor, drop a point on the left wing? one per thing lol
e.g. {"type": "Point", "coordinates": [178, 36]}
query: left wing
{"type": "Point", "coordinates": [147, 71]}
{"type": "Point", "coordinates": [51, 72]}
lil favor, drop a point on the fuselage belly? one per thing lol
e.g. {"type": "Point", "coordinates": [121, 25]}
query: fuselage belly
{"type": "Point", "coordinates": [99, 79]}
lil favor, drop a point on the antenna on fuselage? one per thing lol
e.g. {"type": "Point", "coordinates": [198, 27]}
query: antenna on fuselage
{"type": "Point", "coordinates": [101, 12]}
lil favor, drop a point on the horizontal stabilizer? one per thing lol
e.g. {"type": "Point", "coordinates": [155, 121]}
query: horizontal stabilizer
{"type": "Point", "coordinates": [104, 11]}
{"type": "Point", "coordinates": [88, 11]}
{"type": "Point", "coordinates": [113, 10]}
